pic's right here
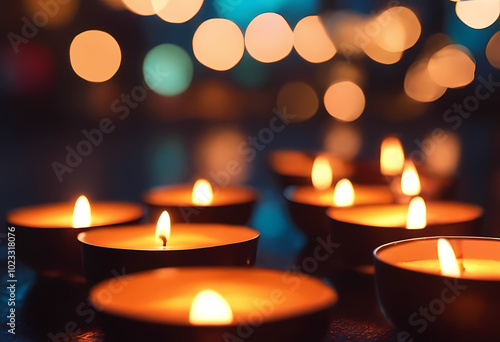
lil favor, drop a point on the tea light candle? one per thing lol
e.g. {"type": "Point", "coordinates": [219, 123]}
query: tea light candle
{"type": "Point", "coordinates": [128, 249]}
{"type": "Point", "coordinates": [48, 232]}
{"type": "Point", "coordinates": [199, 204]}
{"type": "Point", "coordinates": [214, 303]}
{"type": "Point", "coordinates": [441, 289]}
{"type": "Point", "coordinates": [361, 229]}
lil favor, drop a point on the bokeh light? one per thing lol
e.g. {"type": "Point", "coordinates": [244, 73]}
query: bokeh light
{"type": "Point", "coordinates": [478, 14]}
{"type": "Point", "coordinates": [95, 55]}
{"type": "Point", "coordinates": [176, 11]}
{"type": "Point", "coordinates": [269, 38]}
{"type": "Point", "coordinates": [218, 44]}
{"type": "Point", "coordinates": [346, 71]}
{"type": "Point", "coordinates": [140, 7]}
{"type": "Point", "coordinates": [311, 40]}
{"type": "Point", "coordinates": [345, 101]}
{"type": "Point", "coordinates": [299, 99]}
{"type": "Point", "coordinates": [419, 85]}
{"type": "Point", "coordinates": [445, 158]}
{"type": "Point", "coordinates": [399, 29]}
{"type": "Point", "coordinates": [168, 69]}
{"type": "Point", "coordinates": [378, 54]}
{"type": "Point", "coordinates": [54, 14]}
{"type": "Point", "coordinates": [452, 66]}
{"type": "Point", "coordinates": [214, 99]}
{"type": "Point", "coordinates": [343, 140]}
{"type": "Point", "coordinates": [116, 5]}
{"type": "Point", "coordinates": [493, 50]}
{"type": "Point", "coordinates": [343, 28]}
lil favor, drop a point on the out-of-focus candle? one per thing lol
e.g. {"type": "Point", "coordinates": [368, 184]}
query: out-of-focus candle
{"type": "Point", "coordinates": [48, 232]}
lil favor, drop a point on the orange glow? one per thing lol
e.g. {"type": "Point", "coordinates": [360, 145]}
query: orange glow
{"type": "Point", "coordinates": [210, 308]}
{"type": "Point", "coordinates": [478, 14]}
{"type": "Point", "coordinates": [202, 193]}
{"type": "Point", "coordinates": [345, 101]}
{"type": "Point", "coordinates": [343, 140]}
{"type": "Point", "coordinates": [447, 259]}
{"type": "Point", "coordinates": [311, 40]}
{"type": "Point", "coordinates": [392, 157]}
{"type": "Point", "coordinates": [493, 50]}
{"type": "Point", "coordinates": [116, 5]}
{"type": "Point", "coordinates": [400, 29]}
{"type": "Point", "coordinates": [268, 38]}
{"type": "Point", "coordinates": [163, 228]}
{"type": "Point", "coordinates": [298, 98]}
{"type": "Point", "coordinates": [57, 18]}
{"type": "Point", "coordinates": [452, 66]}
{"type": "Point", "coordinates": [95, 56]}
{"type": "Point", "coordinates": [446, 156]}
{"type": "Point", "coordinates": [218, 44]}
{"type": "Point", "coordinates": [140, 7]}
{"type": "Point", "coordinates": [419, 85]}
{"type": "Point", "coordinates": [343, 194]}
{"type": "Point", "coordinates": [343, 27]}
{"type": "Point", "coordinates": [81, 213]}
{"type": "Point", "coordinates": [176, 11]}
{"type": "Point", "coordinates": [417, 214]}
{"type": "Point", "coordinates": [410, 182]}
{"type": "Point", "coordinates": [321, 174]}
{"type": "Point", "coordinates": [380, 55]}
{"type": "Point", "coordinates": [345, 71]}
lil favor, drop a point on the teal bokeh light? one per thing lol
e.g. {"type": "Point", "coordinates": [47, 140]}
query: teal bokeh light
{"type": "Point", "coordinates": [168, 69]}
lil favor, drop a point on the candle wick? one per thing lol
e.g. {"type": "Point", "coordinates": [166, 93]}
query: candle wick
{"type": "Point", "coordinates": [164, 240]}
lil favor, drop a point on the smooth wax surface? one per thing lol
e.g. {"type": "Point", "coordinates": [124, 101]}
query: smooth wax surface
{"type": "Point", "coordinates": [60, 215]}
{"type": "Point", "coordinates": [182, 237]}
{"type": "Point", "coordinates": [165, 296]}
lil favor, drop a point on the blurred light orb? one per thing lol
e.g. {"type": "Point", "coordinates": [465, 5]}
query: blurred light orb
{"type": "Point", "coordinates": [400, 29]}
{"type": "Point", "coordinates": [345, 101]}
{"type": "Point", "coordinates": [445, 158]}
{"type": "Point", "coordinates": [346, 71]}
{"type": "Point", "coordinates": [452, 66]}
{"type": "Point", "coordinates": [49, 14]}
{"type": "Point", "coordinates": [311, 40]}
{"type": "Point", "coordinates": [343, 140]}
{"type": "Point", "coordinates": [419, 85]}
{"type": "Point", "coordinates": [140, 7]}
{"type": "Point", "coordinates": [176, 11]}
{"type": "Point", "coordinates": [168, 69]}
{"type": "Point", "coordinates": [299, 99]}
{"type": "Point", "coordinates": [116, 5]}
{"type": "Point", "coordinates": [218, 44]}
{"type": "Point", "coordinates": [478, 14]}
{"type": "Point", "coordinates": [375, 52]}
{"type": "Point", "coordinates": [493, 50]}
{"type": "Point", "coordinates": [269, 38]}
{"type": "Point", "coordinates": [95, 55]}
{"type": "Point", "coordinates": [343, 27]}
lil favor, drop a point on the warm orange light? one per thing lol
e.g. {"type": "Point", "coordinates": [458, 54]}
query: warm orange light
{"type": "Point", "coordinates": [202, 193]}
{"type": "Point", "coordinates": [321, 174]}
{"type": "Point", "coordinates": [299, 98]}
{"type": "Point", "coordinates": [95, 55]}
{"type": "Point", "coordinates": [268, 38]}
{"type": "Point", "coordinates": [378, 54]}
{"type": "Point", "coordinates": [392, 157]}
{"type": "Point", "coordinates": [58, 16]}
{"type": "Point", "coordinates": [400, 29]}
{"type": "Point", "coordinates": [345, 101]}
{"type": "Point", "coordinates": [312, 41]}
{"type": "Point", "coordinates": [417, 214]}
{"type": "Point", "coordinates": [452, 66]}
{"type": "Point", "coordinates": [410, 182]}
{"type": "Point", "coordinates": [343, 194]}
{"type": "Point", "coordinates": [163, 228]}
{"type": "Point", "coordinates": [493, 50]}
{"type": "Point", "coordinates": [447, 259]}
{"type": "Point", "coordinates": [81, 213]}
{"type": "Point", "coordinates": [176, 11]}
{"type": "Point", "coordinates": [419, 85]}
{"type": "Point", "coordinates": [139, 7]}
{"type": "Point", "coordinates": [210, 308]}
{"type": "Point", "coordinates": [478, 14]}
{"type": "Point", "coordinates": [218, 43]}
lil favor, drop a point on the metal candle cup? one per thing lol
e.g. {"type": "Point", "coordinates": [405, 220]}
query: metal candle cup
{"type": "Point", "coordinates": [47, 240]}
{"type": "Point", "coordinates": [128, 249]}
{"type": "Point", "coordinates": [422, 303]}
{"type": "Point", "coordinates": [155, 306]}
{"type": "Point", "coordinates": [231, 205]}
{"type": "Point", "coordinates": [359, 230]}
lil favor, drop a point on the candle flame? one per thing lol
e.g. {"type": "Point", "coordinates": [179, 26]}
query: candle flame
{"type": "Point", "coordinates": [321, 174]}
{"type": "Point", "coordinates": [163, 228]}
{"type": "Point", "coordinates": [202, 192]}
{"type": "Point", "coordinates": [81, 213]}
{"type": "Point", "coordinates": [210, 308]}
{"type": "Point", "coordinates": [447, 259]}
{"type": "Point", "coordinates": [410, 182]}
{"type": "Point", "coordinates": [392, 156]}
{"type": "Point", "coordinates": [343, 194]}
{"type": "Point", "coordinates": [417, 214]}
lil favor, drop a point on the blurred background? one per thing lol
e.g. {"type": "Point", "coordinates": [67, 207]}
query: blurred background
{"type": "Point", "coordinates": [112, 97]}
